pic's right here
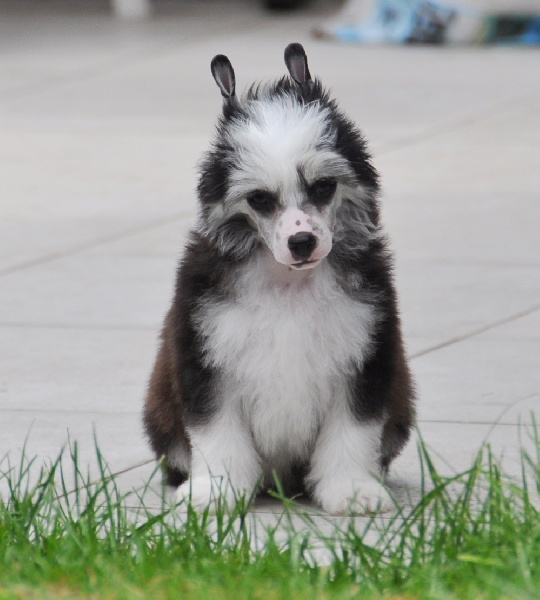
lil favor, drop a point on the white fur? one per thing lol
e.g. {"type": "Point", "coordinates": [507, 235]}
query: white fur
{"type": "Point", "coordinates": [286, 348]}
{"type": "Point", "coordinates": [277, 138]}
{"type": "Point", "coordinates": [345, 464]}
{"type": "Point", "coordinates": [224, 463]}
{"type": "Point", "coordinates": [179, 458]}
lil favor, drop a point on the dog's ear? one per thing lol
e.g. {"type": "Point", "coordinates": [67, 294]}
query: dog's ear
{"type": "Point", "coordinates": [223, 73]}
{"type": "Point", "coordinates": [296, 61]}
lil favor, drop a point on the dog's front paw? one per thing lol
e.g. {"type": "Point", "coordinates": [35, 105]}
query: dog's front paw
{"type": "Point", "coordinates": [214, 493]}
{"type": "Point", "coordinates": [198, 492]}
{"type": "Point", "coordinates": [353, 497]}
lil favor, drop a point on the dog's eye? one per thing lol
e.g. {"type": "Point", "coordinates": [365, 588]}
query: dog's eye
{"type": "Point", "coordinates": [324, 188]}
{"type": "Point", "coordinates": [261, 201]}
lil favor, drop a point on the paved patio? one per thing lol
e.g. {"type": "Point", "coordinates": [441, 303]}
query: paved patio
{"type": "Point", "coordinates": [101, 126]}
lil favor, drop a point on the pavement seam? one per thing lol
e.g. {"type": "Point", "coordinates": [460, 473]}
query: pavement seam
{"type": "Point", "coordinates": [96, 242]}
{"type": "Point", "coordinates": [111, 476]}
{"type": "Point", "coordinates": [475, 332]}
{"type": "Point", "coordinates": [442, 129]}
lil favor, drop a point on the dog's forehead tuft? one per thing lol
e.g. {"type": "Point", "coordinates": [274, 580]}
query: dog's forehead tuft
{"type": "Point", "coordinates": [275, 139]}
{"type": "Point", "coordinates": [283, 120]}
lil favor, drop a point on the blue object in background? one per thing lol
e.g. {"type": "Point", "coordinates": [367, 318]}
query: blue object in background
{"type": "Point", "coordinates": [429, 22]}
{"type": "Point", "coordinates": [399, 21]}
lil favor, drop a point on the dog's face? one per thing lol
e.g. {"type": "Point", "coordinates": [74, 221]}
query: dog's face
{"type": "Point", "coordinates": [279, 173]}
{"type": "Point", "coordinates": [287, 179]}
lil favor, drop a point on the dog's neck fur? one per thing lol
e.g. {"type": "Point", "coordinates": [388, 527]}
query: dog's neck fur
{"type": "Point", "coordinates": [273, 276]}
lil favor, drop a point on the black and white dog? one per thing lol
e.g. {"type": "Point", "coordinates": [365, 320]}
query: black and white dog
{"type": "Point", "coordinates": [282, 351]}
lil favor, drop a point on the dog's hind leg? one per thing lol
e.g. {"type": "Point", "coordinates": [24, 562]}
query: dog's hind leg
{"type": "Point", "coordinates": [163, 422]}
{"type": "Point", "coordinates": [401, 411]}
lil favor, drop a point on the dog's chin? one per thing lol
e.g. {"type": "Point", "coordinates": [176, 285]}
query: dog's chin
{"type": "Point", "coordinates": [305, 264]}
{"type": "Point", "coordinates": [299, 265]}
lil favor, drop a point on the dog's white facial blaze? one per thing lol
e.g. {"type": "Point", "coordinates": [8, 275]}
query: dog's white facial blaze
{"type": "Point", "coordinates": [290, 223]}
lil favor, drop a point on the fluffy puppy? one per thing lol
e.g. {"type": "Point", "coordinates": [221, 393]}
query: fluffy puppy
{"type": "Point", "coordinates": [282, 354]}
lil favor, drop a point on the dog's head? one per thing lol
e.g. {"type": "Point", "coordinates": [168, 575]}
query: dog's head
{"type": "Point", "coordinates": [287, 170]}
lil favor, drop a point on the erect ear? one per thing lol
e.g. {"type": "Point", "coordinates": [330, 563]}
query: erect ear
{"type": "Point", "coordinates": [296, 61]}
{"type": "Point", "coordinates": [223, 73]}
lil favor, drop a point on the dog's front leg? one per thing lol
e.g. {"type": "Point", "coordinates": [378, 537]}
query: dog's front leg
{"type": "Point", "coordinates": [225, 467]}
{"type": "Point", "coordinates": [345, 466]}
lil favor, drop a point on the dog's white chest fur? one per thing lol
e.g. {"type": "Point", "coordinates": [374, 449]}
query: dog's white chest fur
{"type": "Point", "coordinates": [284, 348]}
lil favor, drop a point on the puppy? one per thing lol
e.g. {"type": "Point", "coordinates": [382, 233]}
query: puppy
{"type": "Point", "coordinates": [282, 355]}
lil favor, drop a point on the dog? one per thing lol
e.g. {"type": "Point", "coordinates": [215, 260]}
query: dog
{"type": "Point", "coordinates": [281, 357]}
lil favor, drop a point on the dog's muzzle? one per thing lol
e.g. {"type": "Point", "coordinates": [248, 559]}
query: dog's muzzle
{"type": "Point", "coordinates": [300, 240]}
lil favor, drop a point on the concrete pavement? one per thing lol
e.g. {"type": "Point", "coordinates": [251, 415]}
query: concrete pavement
{"type": "Point", "coordinates": [101, 127]}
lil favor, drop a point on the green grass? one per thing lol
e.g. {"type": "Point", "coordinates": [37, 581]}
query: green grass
{"type": "Point", "coordinates": [474, 535]}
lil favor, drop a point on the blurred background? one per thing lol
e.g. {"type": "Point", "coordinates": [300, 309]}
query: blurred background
{"type": "Point", "coordinates": [105, 109]}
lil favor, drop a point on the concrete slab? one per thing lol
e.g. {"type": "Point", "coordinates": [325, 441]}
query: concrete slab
{"type": "Point", "coordinates": [82, 40]}
{"type": "Point", "coordinates": [446, 301]}
{"type": "Point", "coordinates": [523, 329]}
{"type": "Point", "coordinates": [491, 231]}
{"type": "Point", "coordinates": [518, 124]}
{"type": "Point", "coordinates": [101, 127]}
{"type": "Point", "coordinates": [75, 370]}
{"type": "Point", "coordinates": [83, 174]}
{"type": "Point", "coordinates": [487, 219]}
{"type": "Point", "coordinates": [162, 241]}
{"type": "Point", "coordinates": [41, 435]}
{"type": "Point", "coordinates": [83, 189]}
{"type": "Point", "coordinates": [479, 380]}
{"type": "Point", "coordinates": [91, 292]}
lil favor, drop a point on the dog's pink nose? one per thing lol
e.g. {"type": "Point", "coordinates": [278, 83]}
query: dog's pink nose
{"type": "Point", "coordinates": [302, 244]}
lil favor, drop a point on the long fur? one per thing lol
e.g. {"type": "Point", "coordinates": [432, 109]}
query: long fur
{"type": "Point", "coordinates": [271, 365]}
